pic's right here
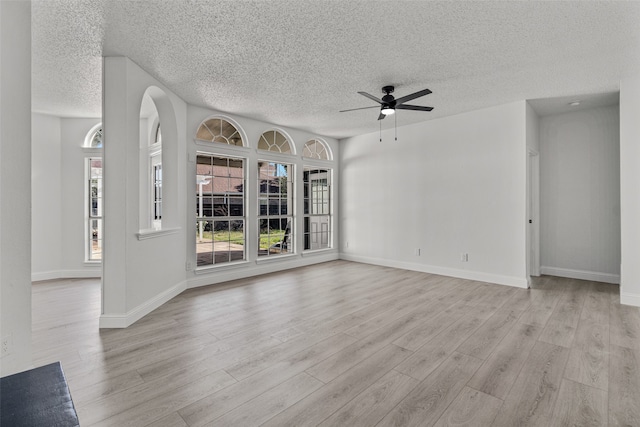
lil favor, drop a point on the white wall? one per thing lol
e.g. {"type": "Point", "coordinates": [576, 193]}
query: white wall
{"type": "Point", "coordinates": [140, 272]}
{"type": "Point", "coordinates": [15, 185]}
{"type": "Point", "coordinates": [629, 193]}
{"type": "Point", "coordinates": [447, 186]}
{"type": "Point", "coordinates": [580, 194]}
{"type": "Point", "coordinates": [533, 129]}
{"type": "Point", "coordinates": [58, 197]}
{"type": "Point", "coordinates": [252, 130]}
{"type": "Point", "coordinates": [46, 233]}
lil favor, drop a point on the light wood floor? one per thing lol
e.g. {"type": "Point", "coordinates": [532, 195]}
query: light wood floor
{"type": "Point", "coordinates": [347, 344]}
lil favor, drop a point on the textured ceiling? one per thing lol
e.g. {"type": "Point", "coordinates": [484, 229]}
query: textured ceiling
{"type": "Point", "coordinates": [297, 63]}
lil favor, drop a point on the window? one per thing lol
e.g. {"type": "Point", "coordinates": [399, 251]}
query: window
{"type": "Point", "coordinates": [220, 209]}
{"type": "Point", "coordinates": [219, 130]}
{"type": "Point", "coordinates": [155, 182]}
{"type": "Point", "coordinates": [157, 192]}
{"type": "Point", "coordinates": [94, 209]}
{"type": "Point", "coordinates": [315, 149]}
{"type": "Point", "coordinates": [275, 142]}
{"type": "Point", "coordinates": [158, 138]}
{"type": "Point", "coordinates": [317, 208]}
{"type": "Point", "coordinates": [95, 141]}
{"type": "Point", "coordinates": [275, 204]}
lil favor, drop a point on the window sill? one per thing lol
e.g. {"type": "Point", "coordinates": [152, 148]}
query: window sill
{"type": "Point", "coordinates": [317, 251]}
{"type": "Point", "coordinates": [275, 258]}
{"type": "Point", "coordinates": [95, 263]}
{"type": "Point", "coordinates": [152, 234]}
{"type": "Point", "coordinates": [220, 267]}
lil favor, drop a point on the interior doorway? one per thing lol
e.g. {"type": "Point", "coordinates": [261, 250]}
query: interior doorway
{"type": "Point", "coordinates": [533, 214]}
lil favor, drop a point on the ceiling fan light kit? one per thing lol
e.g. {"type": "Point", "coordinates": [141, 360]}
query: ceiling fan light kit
{"type": "Point", "coordinates": [386, 110]}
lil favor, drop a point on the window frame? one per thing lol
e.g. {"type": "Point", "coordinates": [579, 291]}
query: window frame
{"type": "Point", "coordinates": [314, 154]}
{"type": "Point", "coordinates": [287, 237]}
{"type": "Point", "coordinates": [217, 144]}
{"type": "Point", "coordinates": [308, 202]}
{"type": "Point", "coordinates": [89, 216]}
{"type": "Point", "coordinates": [200, 218]}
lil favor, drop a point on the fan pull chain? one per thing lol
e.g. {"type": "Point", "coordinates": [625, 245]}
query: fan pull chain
{"type": "Point", "coordinates": [380, 123]}
{"type": "Point", "coordinates": [395, 117]}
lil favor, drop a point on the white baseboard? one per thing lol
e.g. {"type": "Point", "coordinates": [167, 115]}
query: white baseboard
{"type": "Point", "coordinates": [518, 282]}
{"type": "Point", "coordinates": [627, 298]}
{"type": "Point", "coordinates": [593, 276]}
{"type": "Point", "coordinates": [124, 320]}
{"type": "Point", "coordinates": [67, 274]}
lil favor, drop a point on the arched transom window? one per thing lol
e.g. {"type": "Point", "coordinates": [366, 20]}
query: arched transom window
{"type": "Point", "coordinates": [94, 137]}
{"type": "Point", "coordinates": [274, 141]}
{"type": "Point", "coordinates": [221, 131]}
{"type": "Point", "coordinates": [315, 149]}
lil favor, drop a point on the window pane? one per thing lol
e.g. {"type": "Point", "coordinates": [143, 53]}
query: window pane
{"type": "Point", "coordinates": [95, 248]}
{"type": "Point", "coordinates": [203, 160]}
{"type": "Point", "coordinates": [263, 205]}
{"type": "Point", "coordinates": [204, 243]}
{"type": "Point", "coordinates": [317, 208]}
{"type": "Point", "coordinates": [236, 185]}
{"type": "Point", "coordinates": [219, 131]}
{"type": "Point", "coordinates": [93, 200]}
{"type": "Point", "coordinates": [274, 141]}
{"type": "Point", "coordinates": [274, 206]}
{"type": "Point", "coordinates": [275, 236]}
{"type": "Point", "coordinates": [220, 207]}
{"type": "Point", "coordinates": [237, 165]}
{"type": "Point", "coordinates": [236, 240]}
{"type": "Point", "coordinates": [315, 149]}
{"type": "Point", "coordinates": [220, 241]}
{"type": "Point", "coordinates": [316, 232]}
{"type": "Point", "coordinates": [204, 207]}
{"type": "Point", "coordinates": [236, 206]}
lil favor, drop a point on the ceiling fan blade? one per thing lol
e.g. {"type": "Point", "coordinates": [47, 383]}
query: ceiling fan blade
{"type": "Point", "coordinates": [371, 97]}
{"type": "Point", "coordinates": [413, 96]}
{"type": "Point", "coordinates": [381, 116]}
{"type": "Point", "coordinates": [413, 107]}
{"type": "Point", "coordinates": [363, 108]}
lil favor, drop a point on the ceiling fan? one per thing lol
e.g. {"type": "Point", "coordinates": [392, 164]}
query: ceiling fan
{"type": "Point", "coordinates": [389, 105]}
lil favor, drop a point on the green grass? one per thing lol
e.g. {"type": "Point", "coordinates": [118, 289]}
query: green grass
{"type": "Point", "coordinates": [266, 240]}
{"type": "Point", "coordinates": [224, 236]}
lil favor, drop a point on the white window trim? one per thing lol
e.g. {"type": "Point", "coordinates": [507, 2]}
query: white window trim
{"type": "Point", "coordinates": [152, 234]}
{"type": "Point", "coordinates": [326, 147]}
{"type": "Point", "coordinates": [231, 265]}
{"type": "Point", "coordinates": [331, 208]}
{"type": "Point", "coordinates": [276, 258]}
{"type": "Point", "coordinates": [287, 159]}
{"type": "Point", "coordinates": [87, 201]}
{"type": "Point", "coordinates": [312, 252]}
{"type": "Point", "coordinates": [237, 154]}
{"type": "Point", "coordinates": [221, 149]}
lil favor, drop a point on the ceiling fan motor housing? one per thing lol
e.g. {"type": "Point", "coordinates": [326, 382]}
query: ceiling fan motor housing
{"type": "Point", "coordinates": [388, 100]}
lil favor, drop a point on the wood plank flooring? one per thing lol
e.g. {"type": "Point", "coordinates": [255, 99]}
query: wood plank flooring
{"type": "Point", "coordinates": [348, 344]}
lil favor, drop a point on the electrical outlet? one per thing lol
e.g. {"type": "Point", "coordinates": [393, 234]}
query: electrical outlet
{"type": "Point", "coordinates": [416, 251]}
{"type": "Point", "coordinates": [346, 244]}
{"type": "Point", "coordinates": [464, 257]}
{"type": "Point", "coordinates": [5, 345]}
{"type": "Point", "coordinates": [188, 266]}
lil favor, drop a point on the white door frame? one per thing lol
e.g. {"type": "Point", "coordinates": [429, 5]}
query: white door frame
{"type": "Point", "coordinates": [533, 213]}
